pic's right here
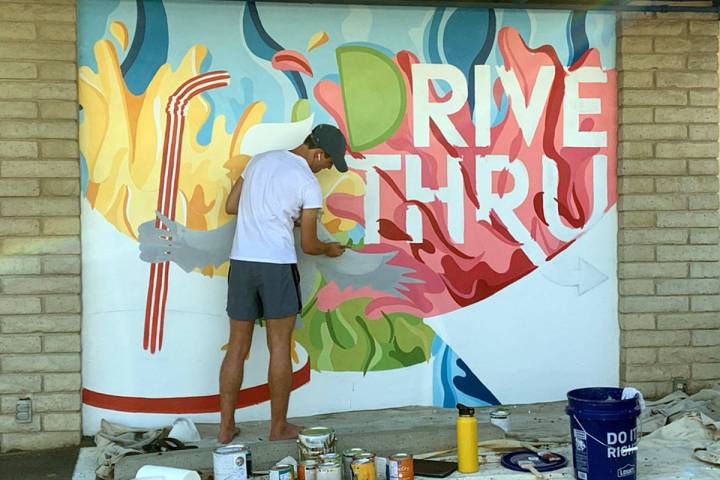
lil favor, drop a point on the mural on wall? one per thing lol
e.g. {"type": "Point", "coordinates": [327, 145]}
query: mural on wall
{"type": "Point", "coordinates": [479, 207]}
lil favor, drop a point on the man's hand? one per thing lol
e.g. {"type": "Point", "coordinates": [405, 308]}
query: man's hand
{"type": "Point", "coordinates": [309, 241]}
{"type": "Point", "coordinates": [334, 249]}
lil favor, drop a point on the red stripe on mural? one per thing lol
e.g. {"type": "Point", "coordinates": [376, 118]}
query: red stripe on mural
{"type": "Point", "coordinates": [204, 404]}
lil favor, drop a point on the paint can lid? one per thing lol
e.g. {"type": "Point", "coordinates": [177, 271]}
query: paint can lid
{"type": "Point", "coordinates": [542, 461]}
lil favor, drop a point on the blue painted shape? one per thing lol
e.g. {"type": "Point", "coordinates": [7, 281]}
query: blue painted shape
{"type": "Point", "coordinates": [149, 47]}
{"type": "Point", "coordinates": [90, 30]}
{"type": "Point", "coordinates": [454, 382]}
{"type": "Point", "coordinates": [472, 386]}
{"type": "Point", "coordinates": [84, 175]}
{"type": "Point", "coordinates": [431, 36]}
{"type": "Point", "coordinates": [577, 38]}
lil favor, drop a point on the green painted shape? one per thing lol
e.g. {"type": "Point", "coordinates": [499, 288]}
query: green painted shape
{"type": "Point", "coordinates": [373, 95]}
{"type": "Point", "coordinates": [301, 110]}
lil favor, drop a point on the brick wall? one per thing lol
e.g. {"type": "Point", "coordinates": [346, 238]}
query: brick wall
{"type": "Point", "coordinates": [39, 223]}
{"type": "Point", "coordinates": [669, 275]}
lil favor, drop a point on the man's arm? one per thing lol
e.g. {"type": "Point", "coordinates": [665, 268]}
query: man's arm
{"type": "Point", "coordinates": [309, 241]}
{"type": "Point", "coordinates": [231, 204]}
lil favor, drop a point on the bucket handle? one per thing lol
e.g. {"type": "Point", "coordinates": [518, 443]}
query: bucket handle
{"type": "Point", "coordinates": [632, 449]}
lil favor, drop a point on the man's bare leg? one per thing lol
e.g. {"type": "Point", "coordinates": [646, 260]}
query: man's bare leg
{"type": "Point", "coordinates": [231, 375]}
{"type": "Point", "coordinates": [279, 331]}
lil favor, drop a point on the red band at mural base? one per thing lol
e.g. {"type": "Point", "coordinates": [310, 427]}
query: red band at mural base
{"type": "Point", "coordinates": [202, 404]}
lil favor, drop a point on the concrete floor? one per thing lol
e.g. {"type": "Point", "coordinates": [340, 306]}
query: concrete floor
{"type": "Point", "coordinates": [57, 464]}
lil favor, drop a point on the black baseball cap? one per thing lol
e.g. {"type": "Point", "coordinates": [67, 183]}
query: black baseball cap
{"type": "Point", "coordinates": [332, 141]}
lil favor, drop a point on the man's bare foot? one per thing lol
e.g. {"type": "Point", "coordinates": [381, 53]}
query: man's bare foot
{"type": "Point", "coordinates": [285, 431]}
{"type": "Point", "coordinates": [227, 434]}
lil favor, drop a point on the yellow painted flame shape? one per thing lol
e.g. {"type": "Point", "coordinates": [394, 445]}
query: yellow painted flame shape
{"type": "Point", "coordinates": [122, 137]}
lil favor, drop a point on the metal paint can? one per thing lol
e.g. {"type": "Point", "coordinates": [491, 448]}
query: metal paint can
{"type": "Point", "coordinates": [281, 472]}
{"type": "Point", "coordinates": [307, 470]}
{"type": "Point", "coordinates": [363, 469]}
{"type": "Point", "coordinates": [232, 462]}
{"type": "Point", "coordinates": [330, 457]}
{"type": "Point", "coordinates": [400, 467]}
{"type": "Point", "coordinates": [312, 442]}
{"type": "Point", "coordinates": [329, 471]}
{"type": "Point", "coordinates": [501, 419]}
{"type": "Point", "coordinates": [348, 457]}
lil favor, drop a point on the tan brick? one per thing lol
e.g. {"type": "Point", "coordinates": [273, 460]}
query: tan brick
{"type": "Point", "coordinates": [59, 422]}
{"type": "Point", "coordinates": [39, 440]}
{"type": "Point", "coordinates": [43, 284]}
{"type": "Point", "coordinates": [710, 236]}
{"type": "Point", "coordinates": [686, 184]}
{"type": "Point", "coordinates": [652, 27]}
{"type": "Point", "coordinates": [37, 50]}
{"type": "Point", "coordinates": [657, 372]}
{"type": "Point", "coordinates": [40, 245]}
{"type": "Point", "coordinates": [635, 149]}
{"type": "Point", "coordinates": [687, 286]}
{"type": "Point", "coordinates": [61, 226]}
{"type": "Point", "coordinates": [10, 265]}
{"type": "Point", "coordinates": [635, 44]}
{"type": "Point", "coordinates": [57, 71]}
{"type": "Point", "coordinates": [66, 110]}
{"type": "Point", "coordinates": [637, 321]}
{"type": "Point", "coordinates": [19, 304]}
{"type": "Point", "coordinates": [59, 32]}
{"type": "Point", "coordinates": [687, 150]}
{"type": "Point", "coordinates": [666, 338]}
{"type": "Point", "coordinates": [18, 149]}
{"type": "Point", "coordinates": [47, 402]}
{"type": "Point", "coordinates": [703, 132]}
{"type": "Point", "coordinates": [709, 28]}
{"type": "Point", "coordinates": [705, 303]}
{"type": "Point", "coordinates": [704, 338]}
{"type": "Point", "coordinates": [17, 31]}
{"type": "Point", "coordinates": [17, 70]}
{"type": "Point", "coordinates": [687, 321]}
{"type": "Point", "coordinates": [635, 80]}
{"type": "Point", "coordinates": [649, 304]}
{"type": "Point", "coordinates": [38, 90]}
{"type": "Point", "coordinates": [653, 236]}
{"type": "Point", "coordinates": [61, 343]}
{"type": "Point", "coordinates": [686, 80]}
{"type": "Point", "coordinates": [635, 115]}
{"type": "Point", "coordinates": [10, 109]}
{"type": "Point", "coordinates": [653, 132]}
{"type": "Point", "coordinates": [46, 11]}
{"type": "Point", "coordinates": [680, 114]}
{"type": "Point", "coordinates": [702, 167]}
{"type": "Point", "coordinates": [636, 253]}
{"type": "Point", "coordinates": [648, 389]}
{"type": "Point", "coordinates": [704, 98]}
{"type": "Point", "coordinates": [41, 207]}
{"type": "Point", "coordinates": [637, 219]}
{"type": "Point", "coordinates": [19, 226]}
{"type": "Point", "coordinates": [697, 385]}
{"type": "Point", "coordinates": [62, 303]}
{"type": "Point", "coordinates": [59, 149]}
{"type": "Point", "coordinates": [687, 219]}
{"type": "Point", "coordinates": [61, 264]}
{"type": "Point", "coordinates": [652, 97]}
{"type": "Point", "coordinates": [60, 188]}
{"type": "Point", "coordinates": [14, 383]}
{"type": "Point", "coordinates": [20, 344]}
{"type": "Point", "coordinates": [652, 167]}
{"type": "Point", "coordinates": [706, 371]}
{"type": "Point", "coordinates": [40, 363]}
{"type": "Point", "coordinates": [703, 62]}
{"type": "Point", "coordinates": [685, 45]}
{"type": "Point", "coordinates": [40, 323]}
{"type": "Point", "coordinates": [640, 355]}
{"type": "Point", "coordinates": [61, 382]}
{"type": "Point", "coordinates": [38, 128]}
{"type": "Point", "coordinates": [635, 185]}
{"type": "Point", "coordinates": [704, 269]}
{"type": "Point", "coordinates": [40, 169]}
{"type": "Point", "coordinates": [637, 286]}
{"type": "Point", "coordinates": [8, 424]}
{"type": "Point", "coordinates": [676, 253]}
{"type": "Point", "coordinates": [19, 188]}
{"type": "Point", "coordinates": [652, 202]}
{"type": "Point", "coordinates": [687, 355]}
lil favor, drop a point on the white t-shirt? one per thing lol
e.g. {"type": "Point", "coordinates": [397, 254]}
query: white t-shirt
{"type": "Point", "coordinates": [277, 185]}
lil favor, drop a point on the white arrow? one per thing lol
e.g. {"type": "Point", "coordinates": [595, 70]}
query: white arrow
{"type": "Point", "coordinates": [584, 276]}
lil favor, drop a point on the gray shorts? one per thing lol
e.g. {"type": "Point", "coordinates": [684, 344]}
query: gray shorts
{"type": "Point", "coordinates": [263, 290]}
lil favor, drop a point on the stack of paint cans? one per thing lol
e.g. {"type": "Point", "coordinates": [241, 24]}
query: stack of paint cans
{"type": "Point", "coordinates": [232, 462]}
{"type": "Point", "coordinates": [400, 467]}
{"type": "Point", "coordinates": [330, 467]}
{"type": "Point", "coordinates": [348, 457]}
{"type": "Point", "coordinates": [315, 441]}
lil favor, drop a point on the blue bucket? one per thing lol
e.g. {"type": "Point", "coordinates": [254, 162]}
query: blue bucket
{"type": "Point", "coordinates": [603, 428]}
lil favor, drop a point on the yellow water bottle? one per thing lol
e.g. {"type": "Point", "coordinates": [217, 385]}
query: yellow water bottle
{"type": "Point", "coordinates": [467, 439]}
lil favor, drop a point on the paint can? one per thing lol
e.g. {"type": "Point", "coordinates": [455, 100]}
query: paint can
{"type": "Point", "coordinates": [232, 462]}
{"type": "Point", "coordinates": [307, 470]}
{"type": "Point", "coordinates": [281, 472]}
{"type": "Point", "coordinates": [363, 468]}
{"type": "Point", "coordinates": [329, 471]}
{"type": "Point", "coordinates": [348, 456]}
{"type": "Point", "coordinates": [312, 442]}
{"type": "Point", "coordinates": [501, 419]}
{"type": "Point", "coordinates": [400, 467]}
{"type": "Point", "coordinates": [330, 457]}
